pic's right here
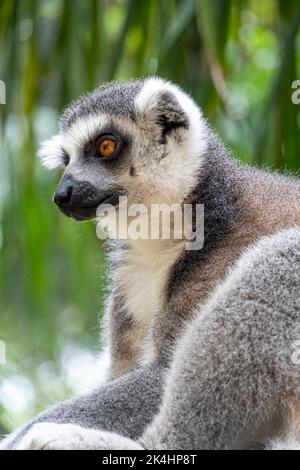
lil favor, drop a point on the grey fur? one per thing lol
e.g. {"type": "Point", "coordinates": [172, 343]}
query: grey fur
{"type": "Point", "coordinates": [125, 405]}
{"type": "Point", "coordinates": [113, 99]}
{"type": "Point", "coordinates": [230, 374]}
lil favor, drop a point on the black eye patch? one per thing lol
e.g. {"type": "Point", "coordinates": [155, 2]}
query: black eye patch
{"type": "Point", "coordinates": [109, 133]}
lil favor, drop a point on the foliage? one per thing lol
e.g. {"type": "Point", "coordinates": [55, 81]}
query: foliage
{"type": "Point", "coordinates": [237, 58]}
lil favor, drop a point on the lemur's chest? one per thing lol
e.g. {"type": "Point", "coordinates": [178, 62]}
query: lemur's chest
{"type": "Point", "coordinates": [143, 277]}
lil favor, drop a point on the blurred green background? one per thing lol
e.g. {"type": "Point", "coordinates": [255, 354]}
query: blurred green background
{"type": "Point", "coordinates": [237, 58]}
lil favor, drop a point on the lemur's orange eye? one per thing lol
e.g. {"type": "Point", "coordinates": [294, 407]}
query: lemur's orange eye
{"type": "Point", "coordinates": [107, 148]}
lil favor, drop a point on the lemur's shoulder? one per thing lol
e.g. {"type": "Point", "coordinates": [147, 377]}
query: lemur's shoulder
{"type": "Point", "coordinates": [242, 204]}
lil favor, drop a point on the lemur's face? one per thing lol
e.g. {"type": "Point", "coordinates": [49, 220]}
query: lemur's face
{"type": "Point", "coordinates": [143, 139]}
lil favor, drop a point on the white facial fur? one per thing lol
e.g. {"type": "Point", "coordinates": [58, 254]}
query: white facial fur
{"type": "Point", "coordinates": [51, 152]}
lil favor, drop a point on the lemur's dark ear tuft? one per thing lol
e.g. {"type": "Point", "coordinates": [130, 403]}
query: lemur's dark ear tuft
{"type": "Point", "coordinates": [159, 103]}
{"type": "Point", "coordinates": [169, 114]}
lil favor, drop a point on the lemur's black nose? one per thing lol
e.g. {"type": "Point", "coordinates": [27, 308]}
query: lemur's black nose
{"type": "Point", "coordinates": [74, 196]}
{"type": "Point", "coordinates": [63, 194]}
{"type": "Point", "coordinates": [80, 199]}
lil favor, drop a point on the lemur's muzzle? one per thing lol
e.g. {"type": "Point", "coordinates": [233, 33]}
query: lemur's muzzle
{"type": "Point", "coordinates": [79, 199]}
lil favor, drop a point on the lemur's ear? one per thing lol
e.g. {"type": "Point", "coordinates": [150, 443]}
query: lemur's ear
{"type": "Point", "coordinates": [169, 114]}
{"type": "Point", "coordinates": [52, 154]}
{"type": "Point", "coordinates": [160, 103]}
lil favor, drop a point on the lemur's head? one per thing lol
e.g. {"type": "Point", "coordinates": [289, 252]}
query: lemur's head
{"type": "Point", "coordinates": [143, 139]}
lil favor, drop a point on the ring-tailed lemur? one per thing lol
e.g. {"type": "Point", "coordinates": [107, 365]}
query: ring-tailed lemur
{"type": "Point", "coordinates": [201, 358]}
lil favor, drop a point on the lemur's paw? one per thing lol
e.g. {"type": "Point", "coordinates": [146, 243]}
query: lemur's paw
{"type": "Point", "coordinates": [112, 441]}
{"type": "Point", "coordinates": [52, 436]}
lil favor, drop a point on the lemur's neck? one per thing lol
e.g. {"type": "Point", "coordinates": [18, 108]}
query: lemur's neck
{"type": "Point", "coordinates": [218, 189]}
{"type": "Point", "coordinates": [144, 268]}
